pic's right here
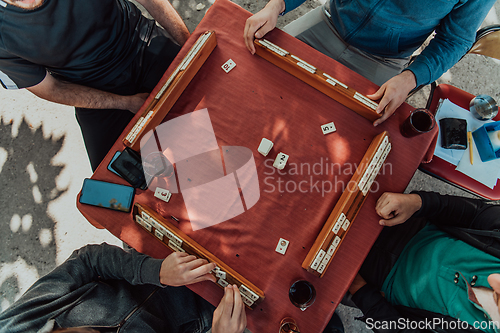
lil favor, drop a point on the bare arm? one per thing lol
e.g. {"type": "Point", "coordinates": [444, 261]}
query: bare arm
{"type": "Point", "coordinates": [166, 15]}
{"type": "Point", "coordinates": [61, 92]}
{"type": "Point", "coordinates": [261, 23]}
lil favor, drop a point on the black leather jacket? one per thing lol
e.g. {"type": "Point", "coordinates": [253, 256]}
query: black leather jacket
{"type": "Point", "coordinates": [112, 290]}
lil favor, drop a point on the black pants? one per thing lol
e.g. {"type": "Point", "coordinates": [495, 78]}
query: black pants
{"type": "Point", "coordinates": [386, 250]}
{"type": "Point", "coordinates": [102, 127]}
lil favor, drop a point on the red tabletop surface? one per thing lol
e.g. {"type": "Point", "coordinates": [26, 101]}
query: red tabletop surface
{"type": "Point", "coordinates": [256, 100]}
{"type": "Point", "coordinates": [445, 170]}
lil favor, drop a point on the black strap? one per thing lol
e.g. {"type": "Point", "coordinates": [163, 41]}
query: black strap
{"type": "Point", "coordinates": [488, 233]}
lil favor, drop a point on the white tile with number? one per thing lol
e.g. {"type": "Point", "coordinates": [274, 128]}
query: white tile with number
{"type": "Point", "coordinates": [280, 161]}
{"type": "Point", "coordinates": [282, 246]}
{"type": "Point", "coordinates": [163, 194]}
{"type": "Point", "coordinates": [328, 128]}
{"type": "Point", "coordinates": [228, 65]}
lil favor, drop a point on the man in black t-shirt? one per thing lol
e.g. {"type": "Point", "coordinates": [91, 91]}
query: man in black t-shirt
{"type": "Point", "coordinates": [101, 56]}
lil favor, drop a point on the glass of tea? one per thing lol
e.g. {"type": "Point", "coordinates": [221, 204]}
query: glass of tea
{"type": "Point", "coordinates": [157, 165]}
{"type": "Point", "coordinates": [158, 170]}
{"type": "Point", "coordinates": [302, 294]}
{"type": "Point", "coordinates": [420, 121]}
{"type": "Point", "coordinates": [288, 325]}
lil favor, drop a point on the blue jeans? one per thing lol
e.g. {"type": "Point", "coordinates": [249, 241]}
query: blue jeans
{"type": "Point", "coordinates": [182, 309]}
{"type": "Point", "coordinates": [316, 30]}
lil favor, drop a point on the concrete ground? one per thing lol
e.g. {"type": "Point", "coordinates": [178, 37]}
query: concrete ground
{"type": "Point", "coordinates": [43, 163]}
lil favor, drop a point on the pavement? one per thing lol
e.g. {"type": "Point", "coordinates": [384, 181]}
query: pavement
{"type": "Point", "coordinates": [43, 163]}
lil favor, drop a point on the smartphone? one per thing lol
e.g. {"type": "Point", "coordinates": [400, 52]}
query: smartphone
{"type": "Point", "coordinates": [110, 168]}
{"type": "Point", "coordinates": [108, 195]}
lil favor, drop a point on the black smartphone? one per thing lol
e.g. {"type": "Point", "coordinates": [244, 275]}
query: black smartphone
{"type": "Point", "coordinates": [108, 195]}
{"type": "Point", "coordinates": [129, 165]}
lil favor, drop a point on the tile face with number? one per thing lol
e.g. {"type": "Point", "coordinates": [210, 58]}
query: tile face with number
{"type": "Point", "coordinates": [328, 128]}
{"type": "Point", "coordinates": [280, 161]}
{"type": "Point", "coordinates": [228, 65]}
{"type": "Point", "coordinates": [159, 235]}
{"type": "Point", "coordinates": [163, 194]}
{"type": "Point", "coordinates": [219, 273]}
{"type": "Point", "coordinates": [282, 246]}
{"type": "Point", "coordinates": [223, 283]}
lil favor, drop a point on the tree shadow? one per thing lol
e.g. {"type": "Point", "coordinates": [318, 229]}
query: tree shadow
{"type": "Point", "coordinates": [27, 183]}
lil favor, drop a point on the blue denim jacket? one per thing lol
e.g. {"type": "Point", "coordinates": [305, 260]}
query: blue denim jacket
{"type": "Point", "coordinates": [396, 28]}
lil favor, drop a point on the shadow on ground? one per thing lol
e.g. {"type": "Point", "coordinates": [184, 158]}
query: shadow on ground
{"type": "Point", "coordinates": [26, 231]}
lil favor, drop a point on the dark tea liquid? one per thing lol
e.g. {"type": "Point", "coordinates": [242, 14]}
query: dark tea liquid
{"type": "Point", "coordinates": [421, 121]}
{"type": "Point", "coordinates": [302, 293]}
{"type": "Point", "coordinates": [156, 164]}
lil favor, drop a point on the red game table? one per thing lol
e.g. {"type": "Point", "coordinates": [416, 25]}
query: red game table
{"type": "Point", "coordinates": [255, 100]}
{"type": "Point", "coordinates": [445, 170]}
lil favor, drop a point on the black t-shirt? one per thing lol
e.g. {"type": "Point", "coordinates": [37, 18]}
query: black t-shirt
{"type": "Point", "coordinates": [88, 42]}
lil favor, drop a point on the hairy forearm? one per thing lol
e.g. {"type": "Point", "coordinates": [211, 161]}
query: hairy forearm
{"type": "Point", "coordinates": [76, 95]}
{"type": "Point", "coordinates": [80, 96]}
{"type": "Point", "coordinates": [166, 15]}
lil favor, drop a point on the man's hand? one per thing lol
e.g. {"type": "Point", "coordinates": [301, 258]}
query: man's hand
{"type": "Point", "coordinates": [261, 23]}
{"type": "Point", "coordinates": [396, 208]}
{"type": "Point", "coordinates": [494, 281]}
{"type": "Point", "coordinates": [166, 15]}
{"type": "Point", "coordinates": [356, 284]}
{"type": "Point", "coordinates": [135, 102]}
{"type": "Point", "coordinates": [393, 94]}
{"type": "Point", "coordinates": [180, 269]}
{"type": "Point", "coordinates": [230, 316]}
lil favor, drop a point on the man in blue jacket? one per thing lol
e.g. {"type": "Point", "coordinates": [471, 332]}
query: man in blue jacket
{"type": "Point", "coordinates": [436, 272]}
{"type": "Point", "coordinates": [106, 289]}
{"type": "Point", "coordinates": [377, 38]}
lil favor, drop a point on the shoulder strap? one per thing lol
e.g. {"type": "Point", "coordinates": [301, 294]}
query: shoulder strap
{"type": "Point", "coordinates": [488, 233]}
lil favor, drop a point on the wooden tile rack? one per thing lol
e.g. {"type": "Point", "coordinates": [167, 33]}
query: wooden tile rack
{"type": "Point", "coordinates": [345, 211]}
{"type": "Point", "coordinates": [317, 79]}
{"type": "Point", "coordinates": [170, 92]}
{"type": "Point", "coordinates": [176, 240]}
